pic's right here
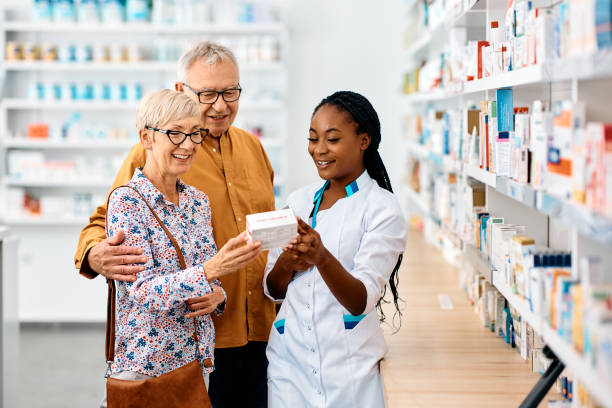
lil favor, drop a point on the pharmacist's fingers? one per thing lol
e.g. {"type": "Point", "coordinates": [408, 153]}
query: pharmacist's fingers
{"type": "Point", "coordinates": [304, 225]}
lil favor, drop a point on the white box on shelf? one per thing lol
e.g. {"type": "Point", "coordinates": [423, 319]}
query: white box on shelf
{"type": "Point", "coordinates": [274, 229]}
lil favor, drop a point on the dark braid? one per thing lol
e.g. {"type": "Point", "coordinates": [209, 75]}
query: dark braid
{"type": "Point", "coordinates": [366, 118]}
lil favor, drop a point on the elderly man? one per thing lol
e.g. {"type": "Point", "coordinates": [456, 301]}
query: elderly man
{"type": "Point", "coordinates": [233, 170]}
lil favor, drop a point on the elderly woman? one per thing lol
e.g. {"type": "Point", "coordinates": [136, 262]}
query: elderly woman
{"type": "Point", "coordinates": [153, 328]}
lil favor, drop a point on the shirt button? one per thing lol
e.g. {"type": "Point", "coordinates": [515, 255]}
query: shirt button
{"type": "Point", "coordinates": [314, 371]}
{"type": "Point", "coordinates": [250, 293]}
{"type": "Point", "coordinates": [229, 184]}
{"type": "Point", "coordinates": [214, 150]}
{"type": "Point", "coordinates": [309, 327]}
{"type": "Point", "coordinates": [319, 392]}
{"type": "Point", "coordinates": [312, 349]}
{"type": "Point", "coordinates": [239, 219]}
{"type": "Point", "coordinates": [307, 305]}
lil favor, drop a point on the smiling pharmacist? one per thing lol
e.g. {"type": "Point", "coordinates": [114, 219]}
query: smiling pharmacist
{"type": "Point", "coordinates": [233, 169]}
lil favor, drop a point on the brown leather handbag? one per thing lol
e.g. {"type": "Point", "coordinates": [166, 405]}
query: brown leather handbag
{"type": "Point", "coordinates": [183, 387]}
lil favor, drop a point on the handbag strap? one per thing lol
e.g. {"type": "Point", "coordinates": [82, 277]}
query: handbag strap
{"type": "Point", "coordinates": [112, 290]}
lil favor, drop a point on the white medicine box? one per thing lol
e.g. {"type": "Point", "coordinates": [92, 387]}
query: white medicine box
{"type": "Point", "coordinates": [274, 229]}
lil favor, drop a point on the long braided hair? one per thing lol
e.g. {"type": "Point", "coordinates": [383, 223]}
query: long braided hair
{"type": "Point", "coordinates": [366, 118]}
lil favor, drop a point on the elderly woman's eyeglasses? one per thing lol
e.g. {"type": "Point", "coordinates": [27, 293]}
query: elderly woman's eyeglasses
{"type": "Point", "coordinates": [209, 96]}
{"type": "Point", "coordinates": [177, 137]}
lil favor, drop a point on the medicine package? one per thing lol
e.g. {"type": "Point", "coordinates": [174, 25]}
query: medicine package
{"type": "Point", "coordinates": [274, 229]}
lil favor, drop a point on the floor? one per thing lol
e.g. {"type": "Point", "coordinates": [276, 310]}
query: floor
{"type": "Point", "coordinates": [446, 358]}
{"type": "Point", "coordinates": [61, 366]}
{"type": "Point", "coordinates": [439, 358]}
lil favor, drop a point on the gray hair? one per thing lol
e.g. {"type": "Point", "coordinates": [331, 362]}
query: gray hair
{"type": "Point", "coordinates": [160, 107]}
{"type": "Point", "coordinates": [211, 52]}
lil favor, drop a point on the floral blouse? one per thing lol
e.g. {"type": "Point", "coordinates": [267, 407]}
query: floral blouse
{"type": "Point", "coordinates": [152, 334]}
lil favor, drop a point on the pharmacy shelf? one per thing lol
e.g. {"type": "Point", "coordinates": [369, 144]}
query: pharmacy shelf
{"type": "Point", "coordinates": [520, 304]}
{"type": "Point", "coordinates": [478, 261]}
{"type": "Point", "coordinates": [481, 175]}
{"type": "Point", "coordinates": [67, 144]}
{"type": "Point", "coordinates": [435, 95]}
{"type": "Point", "coordinates": [461, 18]}
{"type": "Point", "coordinates": [142, 66]}
{"type": "Point", "coordinates": [142, 28]}
{"type": "Point", "coordinates": [42, 183]}
{"type": "Point", "coordinates": [45, 221]}
{"type": "Point", "coordinates": [416, 199]}
{"type": "Point", "coordinates": [417, 150]}
{"type": "Point", "coordinates": [585, 67]}
{"type": "Point", "coordinates": [523, 76]}
{"type": "Point", "coordinates": [574, 362]}
{"type": "Point", "coordinates": [26, 104]}
{"type": "Point", "coordinates": [522, 193]}
{"type": "Point", "coordinates": [590, 224]}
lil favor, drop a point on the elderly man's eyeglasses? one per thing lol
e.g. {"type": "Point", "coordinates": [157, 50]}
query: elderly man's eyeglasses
{"type": "Point", "coordinates": [209, 96]}
{"type": "Point", "coordinates": [177, 137]}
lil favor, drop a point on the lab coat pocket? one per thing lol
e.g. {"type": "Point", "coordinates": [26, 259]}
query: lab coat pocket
{"type": "Point", "coordinates": [364, 336]}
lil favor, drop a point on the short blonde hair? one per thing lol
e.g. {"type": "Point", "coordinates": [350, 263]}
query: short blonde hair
{"type": "Point", "coordinates": [211, 52]}
{"type": "Point", "coordinates": [160, 107]}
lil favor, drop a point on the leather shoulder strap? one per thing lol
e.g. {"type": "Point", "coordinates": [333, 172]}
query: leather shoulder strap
{"type": "Point", "coordinates": [112, 290]}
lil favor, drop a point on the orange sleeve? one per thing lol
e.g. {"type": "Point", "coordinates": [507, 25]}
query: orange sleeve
{"type": "Point", "coordinates": [267, 161]}
{"type": "Point", "coordinates": [95, 231]}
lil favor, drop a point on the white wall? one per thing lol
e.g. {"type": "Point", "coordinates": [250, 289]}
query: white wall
{"type": "Point", "coordinates": [343, 45]}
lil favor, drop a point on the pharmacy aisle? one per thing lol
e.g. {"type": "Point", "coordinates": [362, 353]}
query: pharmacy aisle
{"type": "Point", "coordinates": [443, 356]}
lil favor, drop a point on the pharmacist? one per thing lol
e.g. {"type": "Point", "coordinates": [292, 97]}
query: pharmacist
{"type": "Point", "coordinates": [326, 343]}
{"type": "Point", "coordinates": [233, 169]}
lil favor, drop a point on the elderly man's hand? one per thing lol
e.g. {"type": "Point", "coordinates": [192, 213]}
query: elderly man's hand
{"type": "Point", "coordinates": [206, 304]}
{"type": "Point", "coordinates": [114, 261]}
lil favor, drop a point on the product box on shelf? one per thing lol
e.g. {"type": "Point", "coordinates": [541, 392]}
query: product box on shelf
{"type": "Point", "coordinates": [522, 246]}
{"type": "Point", "coordinates": [541, 132]}
{"type": "Point", "coordinates": [568, 127]}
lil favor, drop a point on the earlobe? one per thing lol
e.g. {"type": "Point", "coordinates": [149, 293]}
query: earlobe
{"type": "Point", "coordinates": [178, 86]}
{"type": "Point", "coordinates": [365, 141]}
{"type": "Point", "coordinates": [145, 139]}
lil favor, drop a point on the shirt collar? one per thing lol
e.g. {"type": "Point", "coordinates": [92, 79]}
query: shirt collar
{"type": "Point", "coordinates": [351, 189]}
{"type": "Point", "coordinates": [152, 193]}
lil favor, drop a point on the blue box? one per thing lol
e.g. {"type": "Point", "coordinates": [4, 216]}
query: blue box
{"type": "Point", "coordinates": [505, 110]}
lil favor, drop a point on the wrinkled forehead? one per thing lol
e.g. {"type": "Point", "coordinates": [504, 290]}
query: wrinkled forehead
{"type": "Point", "coordinates": [214, 76]}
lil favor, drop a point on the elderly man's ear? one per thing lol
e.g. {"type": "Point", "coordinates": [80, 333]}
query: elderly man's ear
{"type": "Point", "coordinates": [146, 138]}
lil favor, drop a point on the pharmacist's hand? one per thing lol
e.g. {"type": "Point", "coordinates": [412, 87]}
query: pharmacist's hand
{"type": "Point", "coordinates": [307, 246]}
{"type": "Point", "coordinates": [206, 304]}
{"type": "Point", "coordinates": [291, 261]}
{"type": "Point", "coordinates": [114, 261]}
{"type": "Point", "coordinates": [235, 254]}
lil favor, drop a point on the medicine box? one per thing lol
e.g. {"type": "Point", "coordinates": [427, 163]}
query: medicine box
{"type": "Point", "coordinates": [274, 229]}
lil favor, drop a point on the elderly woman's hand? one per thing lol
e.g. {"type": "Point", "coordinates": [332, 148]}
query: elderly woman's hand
{"type": "Point", "coordinates": [206, 304]}
{"type": "Point", "coordinates": [235, 254]}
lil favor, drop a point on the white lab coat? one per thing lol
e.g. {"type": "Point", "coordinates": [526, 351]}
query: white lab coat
{"type": "Point", "coordinates": [316, 357]}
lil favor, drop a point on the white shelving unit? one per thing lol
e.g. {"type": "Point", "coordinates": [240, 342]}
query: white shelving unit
{"type": "Point", "coordinates": [138, 67]}
{"type": "Point", "coordinates": [566, 225]}
{"type": "Point", "coordinates": [143, 28]}
{"type": "Point", "coordinates": [26, 104]}
{"type": "Point", "coordinates": [263, 105]}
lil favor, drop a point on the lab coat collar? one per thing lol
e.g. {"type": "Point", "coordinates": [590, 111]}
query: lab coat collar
{"type": "Point", "coordinates": [351, 189]}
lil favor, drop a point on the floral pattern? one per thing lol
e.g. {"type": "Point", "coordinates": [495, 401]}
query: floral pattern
{"type": "Point", "coordinates": [152, 334]}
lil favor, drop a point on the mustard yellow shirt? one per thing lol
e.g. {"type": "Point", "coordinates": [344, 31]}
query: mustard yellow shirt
{"type": "Point", "coordinates": [238, 180]}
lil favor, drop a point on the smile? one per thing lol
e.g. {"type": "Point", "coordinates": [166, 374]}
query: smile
{"type": "Point", "coordinates": [322, 163]}
{"type": "Point", "coordinates": [217, 117]}
{"type": "Point", "coordinates": [181, 156]}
